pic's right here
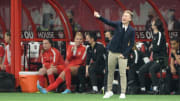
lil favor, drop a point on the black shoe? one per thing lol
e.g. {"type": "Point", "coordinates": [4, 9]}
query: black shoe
{"type": "Point", "coordinates": [142, 92]}
{"type": "Point", "coordinates": [177, 93]}
{"type": "Point", "coordinates": [93, 92]}
{"type": "Point", "coordinates": [82, 89]}
{"type": "Point", "coordinates": [155, 92]}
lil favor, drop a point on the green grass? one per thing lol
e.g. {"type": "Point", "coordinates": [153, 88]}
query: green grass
{"type": "Point", "coordinates": [82, 97]}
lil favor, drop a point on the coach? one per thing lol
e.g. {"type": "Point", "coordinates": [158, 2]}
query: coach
{"type": "Point", "coordinates": [119, 49]}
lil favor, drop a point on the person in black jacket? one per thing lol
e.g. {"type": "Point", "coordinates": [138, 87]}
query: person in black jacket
{"type": "Point", "coordinates": [174, 68]}
{"type": "Point", "coordinates": [135, 60]}
{"type": "Point", "coordinates": [119, 49]}
{"type": "Point", "coordinates": [95, 61]}
{"type": "Point", "coordinates": [159, 53]}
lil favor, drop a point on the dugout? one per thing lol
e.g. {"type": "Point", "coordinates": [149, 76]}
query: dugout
{"type": "Point", "coordinates": [33, 20]}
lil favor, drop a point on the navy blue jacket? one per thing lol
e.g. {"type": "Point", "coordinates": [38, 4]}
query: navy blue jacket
{"type": "Point", "coordinates": [121, 42]}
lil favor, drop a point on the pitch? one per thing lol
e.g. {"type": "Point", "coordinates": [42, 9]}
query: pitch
{"type": "Point", "coordinates": [82, 97]}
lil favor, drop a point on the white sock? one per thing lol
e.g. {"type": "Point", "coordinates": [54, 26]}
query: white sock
{"type": "Point", "coordinates": [155, 88]}
{"type": "Point", "coordinates": [95, 88]}
{"type": "Point", "coordinates": [143, 89]}
{"type": "Point", "coordinates": [102, 88]}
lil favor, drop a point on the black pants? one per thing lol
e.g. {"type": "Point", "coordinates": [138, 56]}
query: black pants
{"type": "Point", "coordinates": [81, 76]}
{"type": "Point", "coordinates": [152, 68]}
{"type": "Point", "coordinates": [94, 71]}
{"type": "Point", "coordinates": [169, 80]}
{"type": "Point", "coordinates": [132, 75]}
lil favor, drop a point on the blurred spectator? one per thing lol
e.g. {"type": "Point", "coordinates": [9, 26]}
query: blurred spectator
{"type": "Point", "coordinates": [174, 65]}
{"type": "Point", "coordinates": [51, 22]}
{"type": "Point", "coordinates": [75, 26]}
{"type": "Point", "coordinates": [47, 23]}
{"type": "Point", "coordinates": [173, 23]}
{"type": "Point", "coordinates": [151, 16]}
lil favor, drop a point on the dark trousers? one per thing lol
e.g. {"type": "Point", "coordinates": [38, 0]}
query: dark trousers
{"type": "Point", "coordinates": [152, 68]}
{"type": "Point", "coordinates": [94, 71]}
{"type": "Point", "coordinates": [133, 76]}
{"type": "Point", "coordinates": [81, 76]}
{"type": "Point", "coordinates": [169, 80]}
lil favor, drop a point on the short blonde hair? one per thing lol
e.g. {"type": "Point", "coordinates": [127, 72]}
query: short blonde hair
{"type": "Point", "coordinates": [130, 13]}
{"type": "Point", "coordinates": [79, 34]}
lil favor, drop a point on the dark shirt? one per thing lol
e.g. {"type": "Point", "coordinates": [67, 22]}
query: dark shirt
{"type": "Point", "coordinates": [96, 55]}
{"type": "Point", "coordinates": [136, 58]}
{"type": "Point", "coordinates": [147, 51]}
{"type": "Point", "coordinates": [172, 55]}
{"type": "Point", "coordinates": [159, 46]}
{"type": "Point", "coordinates": [122, 42]}
{"type": "Point", "coordinates": [176, 26]}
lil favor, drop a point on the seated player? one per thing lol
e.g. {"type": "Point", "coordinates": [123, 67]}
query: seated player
{"type": "Point", "coordinates": [7, 58]}
{"type": "Point", "coordinates": [174, 65]}
{"type": "Point", "coordinates": [52, 62]}
{"type": "Point", "coordinates": [2, 54]}
{"type": "Point", "coordinates": [7, 61]}
{"type": "Point", "coordinates": [95, 62]}
{"type": "Point", "coordinates": [75, 56]}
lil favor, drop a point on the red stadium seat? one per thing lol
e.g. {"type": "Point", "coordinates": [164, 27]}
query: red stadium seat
{"type": "Point", "coordinates": [163, 75]}
{"type": "Point", "coordinates": [175, 76]}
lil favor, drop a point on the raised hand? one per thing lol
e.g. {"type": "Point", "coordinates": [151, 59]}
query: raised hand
{"type": "Point", "coordinates": [96, 14]}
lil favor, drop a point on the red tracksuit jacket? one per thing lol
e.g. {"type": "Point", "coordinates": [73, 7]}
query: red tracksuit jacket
{"type": "Point", "coordinates": [51, 57]}
{"type": "Point", "coordinates": [7, 59]}
{"type": "Point", "coordinates": [77, 57]}
{"type": "Point", "coordinates": [2, 53]}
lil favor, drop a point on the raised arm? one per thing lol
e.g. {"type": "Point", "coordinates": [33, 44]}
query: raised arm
{"type": "Point", "coordinates": [110, 23]}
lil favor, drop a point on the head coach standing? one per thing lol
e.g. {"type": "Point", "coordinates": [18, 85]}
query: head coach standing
{"type": "Point", "coordinates": [119, 49]}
